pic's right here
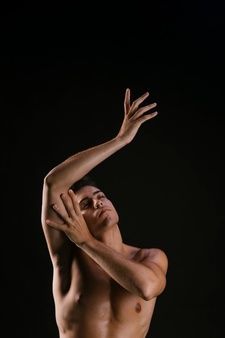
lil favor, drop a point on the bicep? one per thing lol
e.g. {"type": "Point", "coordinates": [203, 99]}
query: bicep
{"type": "Point", "coordinates": [157, 261]}
{"type": "Point", "coordinates": [157, 258]}
{"type": "Point", "coordinates": [58, 243]}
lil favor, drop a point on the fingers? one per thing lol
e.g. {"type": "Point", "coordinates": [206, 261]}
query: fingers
{"type": "Point", "coordinates": [144, 109]}
{"type": "Point", "coordinates": [137, 102]}
{"type": "Point", "coordinates": [74, 201]}
{"type": "Point", "coordinates": [147, 117]}
{"type": "Point", "coordinates": [63, 216]}
{"type": "Point", "coordinates": [71, 206]}
{"type": "Point", "coordinates": [55, 225]}
{"type": "Point", "coordinates": [127, 101]}
{"type": "Point", "coordinates": [72, 210]}
{"type": "Point", "coordinates": [68, 204]}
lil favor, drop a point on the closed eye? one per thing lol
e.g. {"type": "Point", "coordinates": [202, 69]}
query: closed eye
{"type": "Point", "coordinates": [85, 204]}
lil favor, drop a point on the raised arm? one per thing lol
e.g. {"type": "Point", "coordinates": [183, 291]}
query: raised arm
{"type": "Point", "coordinates": [61, 178]}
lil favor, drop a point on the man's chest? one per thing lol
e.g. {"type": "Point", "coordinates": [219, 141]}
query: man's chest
{"type": "Point", "coordinates": [103, 298]}
{"type": "Point", "coordinates": [92, 294]}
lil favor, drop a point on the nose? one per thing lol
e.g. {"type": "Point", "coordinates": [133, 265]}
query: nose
{"type": "Point", "coordinates": [98, 204]}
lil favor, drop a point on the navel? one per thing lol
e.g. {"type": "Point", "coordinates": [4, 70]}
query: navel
{"type": "Point", "coordinates": [138, 307]}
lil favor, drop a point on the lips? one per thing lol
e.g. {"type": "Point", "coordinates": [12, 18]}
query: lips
{"type": "Point", "coordinates": [102, 211]}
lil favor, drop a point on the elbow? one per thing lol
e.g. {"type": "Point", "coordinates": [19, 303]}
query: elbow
{"type": "Point", "coordinates": [49, 180]}
{"type": "Point", "coordinates": [153, 289]}
{"type": "Point", "coordinates": [147, 294]}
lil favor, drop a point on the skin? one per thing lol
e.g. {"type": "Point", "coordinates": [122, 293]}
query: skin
{"type": "Point", "coordinates": [102, 287]}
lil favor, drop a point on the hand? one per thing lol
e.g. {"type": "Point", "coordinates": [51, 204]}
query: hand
{"type": "Point", "coordinates": [134, 116]}
{"type": "Point", "coordinates": [74, 225]}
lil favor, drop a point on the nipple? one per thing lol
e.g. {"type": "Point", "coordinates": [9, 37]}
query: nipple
{"type": "Point", "coordinates": [138, 307]}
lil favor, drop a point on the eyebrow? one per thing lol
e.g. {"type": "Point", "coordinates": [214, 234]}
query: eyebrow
{"type": "Point", "coordinates": [93, 194]}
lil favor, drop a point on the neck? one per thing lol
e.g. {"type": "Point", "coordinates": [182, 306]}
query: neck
{"type": "Point", "coordinates": [112, 238]}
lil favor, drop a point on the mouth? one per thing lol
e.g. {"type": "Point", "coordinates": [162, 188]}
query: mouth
{"type": "Point", "coordinates": [102, 212]}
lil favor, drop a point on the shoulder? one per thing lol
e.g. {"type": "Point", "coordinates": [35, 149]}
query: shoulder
{"type": "Point", "coordinates": [157, 256]}
{"type": "Point", "coordinates": [149, 256]}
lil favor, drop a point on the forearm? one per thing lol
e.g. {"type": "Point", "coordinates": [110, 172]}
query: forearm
{"type": "Point", "coordinates": [62, 177]}
{"type": "Point", "coordinates": [78, 165]}
{"type": "Point", "coordinates": [133, 276]}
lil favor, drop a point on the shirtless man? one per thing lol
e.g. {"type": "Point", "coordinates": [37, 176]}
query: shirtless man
{"type": "Point", "coordinates": [102, 287]}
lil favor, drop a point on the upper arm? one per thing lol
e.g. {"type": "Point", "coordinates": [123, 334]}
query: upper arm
{"type": "Point", "coordinates": [157, 261]}
{"type": "Point", "coordinates": [158, 257]}
{"type": "Point", "coordinates": [59, 245]}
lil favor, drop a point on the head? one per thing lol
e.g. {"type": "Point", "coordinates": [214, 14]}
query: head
{"type": "Point", "coordinates": [97, 210]}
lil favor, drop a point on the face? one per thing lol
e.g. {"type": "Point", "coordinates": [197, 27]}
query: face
{"type": "Point", "coordinates": [97, 210]}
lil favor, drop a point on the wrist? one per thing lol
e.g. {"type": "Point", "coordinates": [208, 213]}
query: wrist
{"type": "Point", "coordinates": [121, 140]}
{"type": "Point", "coordinates": [88, 241]}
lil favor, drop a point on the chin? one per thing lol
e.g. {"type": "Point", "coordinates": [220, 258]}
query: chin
{"type": "Point", "coordinates": [110, 220]}
{"type": "Point", "coordinates": [107, 223]}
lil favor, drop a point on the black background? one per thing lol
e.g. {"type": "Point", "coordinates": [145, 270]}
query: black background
{"type": "Point", "coordinates": [62, 93]}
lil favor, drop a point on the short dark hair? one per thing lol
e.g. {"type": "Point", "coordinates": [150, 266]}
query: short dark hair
{"type": "Point", "coordinates": [84, 181]}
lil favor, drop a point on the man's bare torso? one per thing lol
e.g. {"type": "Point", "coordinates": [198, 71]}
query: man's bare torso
{"type": "Point", "coordinates": [90, 304]}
